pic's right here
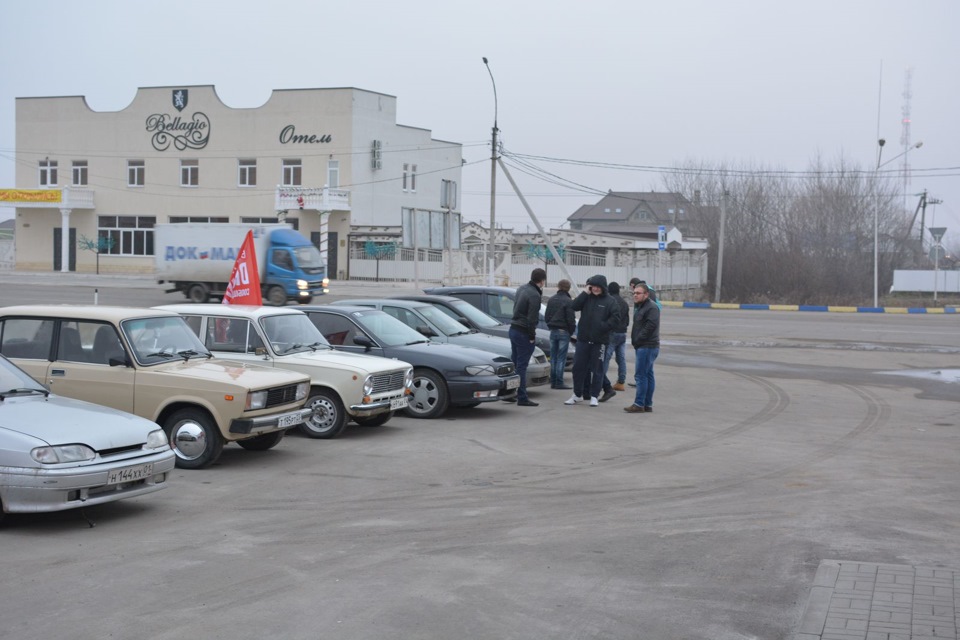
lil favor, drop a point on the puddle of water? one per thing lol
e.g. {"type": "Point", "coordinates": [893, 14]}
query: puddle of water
{"type": "Point", "coordinates": [941, 375]}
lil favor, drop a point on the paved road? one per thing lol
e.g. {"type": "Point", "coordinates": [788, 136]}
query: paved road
{"type": "Point", "coordinates": [786, 450]}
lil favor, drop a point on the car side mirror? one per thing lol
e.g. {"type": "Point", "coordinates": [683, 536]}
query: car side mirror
{"type": "Point", "coordinates": [260, 351]}
{"type": "Point", "coordinates": [119, 361]}
{"type": "Point", "coordinates": [465, 323]}
{"type": "Point", "coordinates": [363, 341]}
{"type": "Point", "coordinates": [426, 331]}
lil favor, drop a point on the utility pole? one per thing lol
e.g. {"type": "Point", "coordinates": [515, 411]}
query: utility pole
{"type": "Point", "coordinates": [723, 220]}
{"type": "Point", "coordinates": [491, 250]}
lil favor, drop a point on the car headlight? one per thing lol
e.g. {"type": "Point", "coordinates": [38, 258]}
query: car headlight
{"type": "Point", "coordinates": [63, 453]}
{"type": "Point", "coordinates": [303, 284]}
{"type": "Point", "coordinates": [408, 379]}
{"type": "Point", "coordinates": [302, 390]}
{"type": "Point", "coordinates": [256, 400]}
{"type": "Point", "coordinates": [368, 385]}
{"type": "Point", "coordinates": [157, 440]}
{"type": "Point", "coordinates": [481, 370]}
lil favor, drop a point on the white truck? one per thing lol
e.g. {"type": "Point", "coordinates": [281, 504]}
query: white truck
{"type": "Point", "coordinates": [197, 259]}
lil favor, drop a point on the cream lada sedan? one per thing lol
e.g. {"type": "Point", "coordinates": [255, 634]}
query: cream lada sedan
{"type": "Point", "coordinates": [149, 363]}
{"type": "Point", "coordinates": [344, 386]}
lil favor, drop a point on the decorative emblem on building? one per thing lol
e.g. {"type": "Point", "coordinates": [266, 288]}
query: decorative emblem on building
{"type": "Point", "coordinates": [180, 97]}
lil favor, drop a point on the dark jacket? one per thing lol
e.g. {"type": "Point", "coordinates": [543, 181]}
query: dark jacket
{"type": "Point", "coordinates": [599, 315]}
{"type": "Point", "coordinates": [526, 309]}
{"type": "Point", "coordinates": [622, 307]}
{"type": "Point", "coordinates": [646, 325]}
{"type": "Point", "coordinates": [560, 314]}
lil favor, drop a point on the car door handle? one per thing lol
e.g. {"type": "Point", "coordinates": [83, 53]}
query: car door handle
{"type": "Point", "coordinates": [61, 373]}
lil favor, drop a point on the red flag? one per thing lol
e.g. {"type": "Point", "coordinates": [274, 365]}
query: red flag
{"type": "Point", "coordinates": [244, 285]}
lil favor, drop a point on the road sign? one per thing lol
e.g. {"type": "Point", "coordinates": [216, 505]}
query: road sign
{"type": "Point", "coordinates": [661, 237]}
{"type": "Point", "coordinates": [937, 232]}
{"type": "Point", "coordinates": [937, 253]}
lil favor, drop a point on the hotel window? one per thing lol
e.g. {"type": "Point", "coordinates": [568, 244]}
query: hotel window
{"type": "Point", "coordinates": [333, 173]}
{"type": "Point", "coordinates": [247, 176]}
{"type": "Point", "coordinates": [135, 173]}
{"type": "Point", "coordinates": [406, 176]}
{"type": "Point", "coordinates": [204, 219]}
{"type": "Point", "coordinates": [413, 177]}
{"type": "Point", "coordinates": [294, 222]}
{"type": "Point", "coordinates": [79, 173]}
{"type": "Point", "coordinates": [189, 173]}
{"type": "Point", "coordinates": [131, 235]}
{"type": "Point", "coordinates": [48, 173]}
{"type": "Point", "coordinates": [292, 173]}
{"type": "Point", "coordinates": [448, 194]}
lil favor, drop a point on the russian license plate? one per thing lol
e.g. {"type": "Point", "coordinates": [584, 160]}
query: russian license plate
{"type": "Point", "coordinates": [130, 474]}
{"type": "Point", "coordinates": [398, 403]}
{"type": "Point", "coordinates": [289, 420]}
{"type": "Point", "coordinates": [513, 383]}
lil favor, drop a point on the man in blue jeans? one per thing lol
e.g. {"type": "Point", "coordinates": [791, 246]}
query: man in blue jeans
{"type": "Point", "coordinates": [523, 330]}
{"type": "Point", "coordinates": [617, 347]}
{"type": "Point", "coordinates": [645, 338]}
{"type": "Point", "coordinates": [562, 322]}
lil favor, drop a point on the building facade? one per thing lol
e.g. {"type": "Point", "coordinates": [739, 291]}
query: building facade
{"type": "Point", "coordinates": [90, 185]}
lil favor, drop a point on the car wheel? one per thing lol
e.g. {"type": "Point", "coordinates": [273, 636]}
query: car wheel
{"type": "Point", "coordinates": [328, 418]}
{"type": "Point", "coordinates": [262, 443]}
{"type": "Point", "coordinates": [375, 421]}
{"type": "Point", "coordinates": [430, 397]}
{"type": "Point", "coordinates": [276, 296]}
{"type": "Point", "coordinates": [306, 300]}
{"type": "Point", "coordinates": [198, 293]}
{"type": "Point", "coordinates": [194, 437]}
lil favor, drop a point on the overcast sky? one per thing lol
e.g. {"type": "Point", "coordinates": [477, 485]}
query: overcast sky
{"type": "Point", "coordinates": [644, 84]}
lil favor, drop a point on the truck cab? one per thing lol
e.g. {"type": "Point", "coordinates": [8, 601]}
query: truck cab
{"type": "Point", "coordinates": [294, 266]}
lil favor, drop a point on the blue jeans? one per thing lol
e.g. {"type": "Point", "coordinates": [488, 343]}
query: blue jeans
{"type": "Point", "coordinates": [644, 376]}
{"type": "Point", "coordinates": [559, 345]}
{"type": "Point", "coordinates": [521, 348]}
{"type": "Point", "coordinates": [618, 348]}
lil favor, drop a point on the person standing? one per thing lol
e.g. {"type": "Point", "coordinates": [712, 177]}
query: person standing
{"type": "Point", "coordinates": [645, 338]}
{"type": "Point", "coordinates": [523, 330]}
{"type": "Point", "coordinates": [562, 322]}
{"type": "Point", "coordinates": [599, 316]}
{"type": "Point", "coordinates": [617, 349]}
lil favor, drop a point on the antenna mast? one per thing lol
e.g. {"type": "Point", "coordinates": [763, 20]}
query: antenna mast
{"type": "Point", "coordinates": [905, 133]}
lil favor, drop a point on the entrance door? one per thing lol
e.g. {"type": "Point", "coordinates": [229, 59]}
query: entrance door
{"type": "Point", "coordinates": [57, 263]}
{"type": "Point", "coordinates": [332, 245]}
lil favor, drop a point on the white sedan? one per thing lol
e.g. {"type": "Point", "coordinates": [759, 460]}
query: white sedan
{"type": "Point", "coordinates": [58, 453]}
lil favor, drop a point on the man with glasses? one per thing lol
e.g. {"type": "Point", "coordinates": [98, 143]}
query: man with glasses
{"type": "Point", "coordinates": [645, 338]}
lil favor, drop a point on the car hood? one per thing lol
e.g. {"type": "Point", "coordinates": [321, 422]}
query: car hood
{"type": "Point", "coordinates": [363, 364]}
{"type": "Point", "coordinates": [484, 342]}
{"type": "Point", "coordinates": [447, 355]}
{"type": "Point", "coordinates": [253, 376]}
{"type": "Point", "coordinates": [57, 420]}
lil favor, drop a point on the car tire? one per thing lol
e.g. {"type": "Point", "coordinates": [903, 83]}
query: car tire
{"type": "Point", "coordinates": [430, 396]}
{"type": "Point", "coordinates": [375, 421]}
{"type": "Point", "coordinates": [276, 296]}
{"type": "Point", "coordinates": [306, 300]}
{"type": "Point", "coordinates": [198, 293]}
{"type": "Point", "coordinates": [328, 418]}
{"type": "Point", "coordinates": [194, 437]}
{"type": "Point", "coordinates": [262, 442]}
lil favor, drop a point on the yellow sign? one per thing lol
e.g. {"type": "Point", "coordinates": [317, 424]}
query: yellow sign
{"type": "Point", "coordinates": [30, 195]}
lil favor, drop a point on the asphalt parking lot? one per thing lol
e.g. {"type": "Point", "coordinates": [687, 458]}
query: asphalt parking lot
{"type": "Point", "coordinates": [780, 444]}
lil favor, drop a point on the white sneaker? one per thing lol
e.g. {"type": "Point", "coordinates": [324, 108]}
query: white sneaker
{"type": "Point", "coordinates": [573, 400]}
{"type": "Point", "coordinates": [594, 402]}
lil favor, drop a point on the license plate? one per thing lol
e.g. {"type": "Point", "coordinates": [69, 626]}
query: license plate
{"type": "Point", "coordinates": [289, 420]}
{"type": "Point", "coordinates": [398, 403]}
{"type": "Point", "coordinates": [513, 383]}
{"type": "Point", "coordinates": [129, 474]}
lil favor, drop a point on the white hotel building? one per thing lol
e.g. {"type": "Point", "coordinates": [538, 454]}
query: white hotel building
{"type": "Point", "coordinates": [333, 162]}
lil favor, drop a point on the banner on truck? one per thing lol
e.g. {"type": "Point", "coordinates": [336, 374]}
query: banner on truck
{"type": "Point", "coordinates": [244, 285]}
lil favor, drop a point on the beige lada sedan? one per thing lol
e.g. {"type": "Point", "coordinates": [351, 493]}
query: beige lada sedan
{"type": "Point", "coordinates": [149, 363]}
{"type": "Point", "coordinates": [344, 386]}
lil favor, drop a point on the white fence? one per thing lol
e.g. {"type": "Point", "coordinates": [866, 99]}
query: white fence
{"type": "Point", "coordinates": [917, 281]}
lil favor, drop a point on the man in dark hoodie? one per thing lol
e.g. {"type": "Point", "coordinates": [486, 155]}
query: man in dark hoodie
{"type": "Point", "coordinates": [562, 322]}
{"type": "Point", "coordinates": [523, 330]}
{"type": "Point", "coordinates": [617, 347]}
{"type": "Point", "coordinates": [599, 316]}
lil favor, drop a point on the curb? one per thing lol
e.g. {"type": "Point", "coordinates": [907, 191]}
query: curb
{"type": "Point", "coordinates": [806, 307]}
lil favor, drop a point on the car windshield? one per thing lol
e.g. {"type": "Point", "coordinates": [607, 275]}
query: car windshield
{"type": "Point", "coordinates": [386, 329]}
{"type": "Point", "coordinates": [442, 321]}
{"type": "Point", "coordinates": [475, 316]}
{"type": "Point", "coordinates": [292, 333]}
{"type": "Point", "coordinates": [156, 340]}
{"type": "Point", "coordinates": [308, 257]}
{"type": "Point", "coordinates": [12, 378]}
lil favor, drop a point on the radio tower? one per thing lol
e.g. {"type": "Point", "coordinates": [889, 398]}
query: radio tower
{"type": "Point", "coordinates": [905, 133]}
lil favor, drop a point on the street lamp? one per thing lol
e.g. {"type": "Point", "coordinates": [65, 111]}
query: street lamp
{"type": "Point", "coordinates": [493, 180]}
{"type": "Point", "coordinates": [876, 214]}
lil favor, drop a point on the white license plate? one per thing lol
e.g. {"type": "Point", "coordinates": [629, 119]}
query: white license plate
{"type": "Point", "coordinates": [398, 403]}
{"type": "Point", "coordinates": [290, 420]}
{"type": "Point", "coordinates": [129, 474]}
{"type": "Point", "coordinates": [513, 383]}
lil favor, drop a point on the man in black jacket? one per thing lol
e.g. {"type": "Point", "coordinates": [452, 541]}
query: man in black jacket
{"type": "Point", "coordinates": [645, 337]}
{"type": "Point", "coordinates": [523, 330]}
{"type": "Point", "coordinates": [617, 347]}
{"type": "Point", "coordinates": [599, 316]}
{"type": "Point", "coordinates": [562, 322]}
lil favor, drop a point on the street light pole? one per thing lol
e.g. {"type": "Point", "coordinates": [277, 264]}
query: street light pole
{"type": "Point", "coordinates": [491, 255]}
{"type": "Point", "coordinates": [876, 212]}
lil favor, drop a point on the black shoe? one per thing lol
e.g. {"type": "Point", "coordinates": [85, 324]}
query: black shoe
{"type": "Point", "coordinates": [562, 386]}
{"type": "Point", "coordinates": [513, 399]}
{"type": "Point", "coordinates": [607, 395]}
{"type": "Point", "coordinates": [527, 403]}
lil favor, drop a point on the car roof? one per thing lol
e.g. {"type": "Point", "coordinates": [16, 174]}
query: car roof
{"type": "Point", "coordinates": [84, 312]}
{"type": "Point", "coordinates": [230, 310]}
{"type": "Point", "coordinates": [425, 297]}
{"type": "Point", "coordinates": [339, 309]}
{"type": "Point", "coordinates": [407, 304]}
{"type": "Point", "coordinates": [473, 288]}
